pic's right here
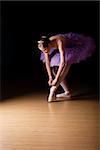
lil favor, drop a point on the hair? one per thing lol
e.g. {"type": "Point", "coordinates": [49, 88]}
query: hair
{"type": "Point", "coordinates": [45, 40]}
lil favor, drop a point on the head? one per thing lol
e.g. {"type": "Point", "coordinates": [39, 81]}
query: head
{"type": "Point", "coordinates": [44, 44]}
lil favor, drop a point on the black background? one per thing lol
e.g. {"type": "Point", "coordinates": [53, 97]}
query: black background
{"type": "Point", "coordinates": [22, 25]}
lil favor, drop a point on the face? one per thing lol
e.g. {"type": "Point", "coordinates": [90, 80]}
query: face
{"type": "Point", "coordinates": [43, 49]}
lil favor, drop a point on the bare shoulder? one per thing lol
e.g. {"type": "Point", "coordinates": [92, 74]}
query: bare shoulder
{"type": "Point", "coordinates": [56, 37]}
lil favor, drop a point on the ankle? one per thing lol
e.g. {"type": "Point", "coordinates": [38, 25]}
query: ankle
{"type": "Point", "coordinates": [53, 89]}
{"type": "Point", "coordinates": [67, 92]}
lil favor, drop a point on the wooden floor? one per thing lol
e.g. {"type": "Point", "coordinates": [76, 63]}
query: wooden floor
{"type": "Point", "coordinates": [28, 122]}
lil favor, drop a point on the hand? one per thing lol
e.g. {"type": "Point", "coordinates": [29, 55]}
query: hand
{"type": "Point", "coordinates": [54, 82]}
{"type": "Point", "coordinates": [50, 81]}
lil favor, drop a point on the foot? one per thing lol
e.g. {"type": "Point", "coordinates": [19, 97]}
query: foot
{"type": "Point", "coordinates": [52, 90]}
{"type": "Point", "coordinates": [64, 95]}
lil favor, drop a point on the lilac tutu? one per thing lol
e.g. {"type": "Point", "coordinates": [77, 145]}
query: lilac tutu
{"type": "Point", "coordinates": [80, 49]}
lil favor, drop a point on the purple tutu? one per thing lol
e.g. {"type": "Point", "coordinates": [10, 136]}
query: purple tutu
{"type": "Point", "coordinates": [80, 48]}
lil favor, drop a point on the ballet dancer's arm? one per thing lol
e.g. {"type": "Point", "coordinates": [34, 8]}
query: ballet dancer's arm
{"type": "Point", "coordinates": [47, 62]}
{"type": "Point", "coordinates": [62, 61]}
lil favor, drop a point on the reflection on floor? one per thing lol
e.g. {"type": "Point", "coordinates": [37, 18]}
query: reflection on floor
{"type": "Point", "coordinates": [28, 122]}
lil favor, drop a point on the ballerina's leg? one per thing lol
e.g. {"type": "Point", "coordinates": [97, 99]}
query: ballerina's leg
{"type": "Point", "coordinates": [61, 79]}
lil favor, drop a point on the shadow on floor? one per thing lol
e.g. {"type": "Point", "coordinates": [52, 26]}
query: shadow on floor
{"type": "Point", "coordinates": [15, 88]}
{"type": "Point", "coordinates": [11, 89]}
{"type": "Point", "coordinates": [83, 93]}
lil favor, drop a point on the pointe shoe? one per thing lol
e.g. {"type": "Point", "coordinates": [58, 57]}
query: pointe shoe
{"type": "Point", "coordinates": [64, 95]}
{"type": "Point", "coordinates": [52, 90]}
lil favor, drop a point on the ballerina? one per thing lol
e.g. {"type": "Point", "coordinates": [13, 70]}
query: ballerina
{"type": "Point", "coordinates": [59, 52]}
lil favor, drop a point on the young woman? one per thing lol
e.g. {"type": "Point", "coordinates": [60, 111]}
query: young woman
{"type": "Point", "coordinates": [59, 52]}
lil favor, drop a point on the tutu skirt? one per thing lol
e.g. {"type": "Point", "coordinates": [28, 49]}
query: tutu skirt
{"type": "Point", "coordinates": [82, 48]}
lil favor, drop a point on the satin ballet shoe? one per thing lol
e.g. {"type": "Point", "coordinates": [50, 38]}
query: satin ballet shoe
{"type": "Point", "coordinates": [51, 95]}
{"type": "Point", "coordinates": [64, 95]}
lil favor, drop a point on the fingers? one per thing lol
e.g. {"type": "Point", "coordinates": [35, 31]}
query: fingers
{"type": "Point", "coordinates": [50, 83]}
